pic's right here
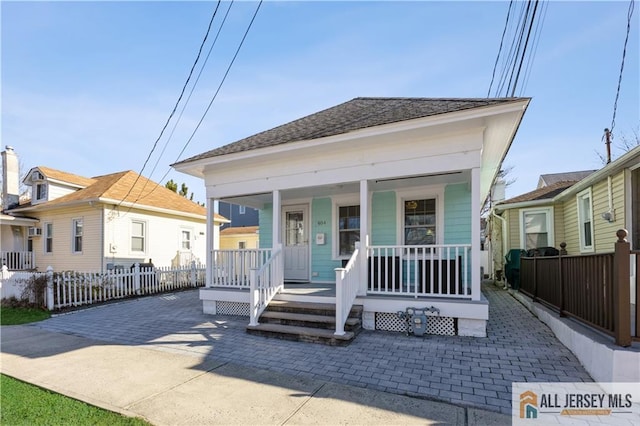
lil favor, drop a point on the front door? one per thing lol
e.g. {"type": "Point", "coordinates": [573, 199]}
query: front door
{"type": "Point", "coordinates": [295, 221]}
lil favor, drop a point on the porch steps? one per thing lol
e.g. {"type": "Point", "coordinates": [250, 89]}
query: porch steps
{"type": "Point", "coordinates": [306, 322]}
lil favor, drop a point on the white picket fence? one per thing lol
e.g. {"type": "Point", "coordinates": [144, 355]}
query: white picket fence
{"type": "Point", "coordinates": [70, 289]}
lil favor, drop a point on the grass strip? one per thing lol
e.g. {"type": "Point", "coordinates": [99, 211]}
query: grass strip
{"type": "Point", "coordinates": [26, 404]}
{"type": "Point", "coordinates": [15, 316]}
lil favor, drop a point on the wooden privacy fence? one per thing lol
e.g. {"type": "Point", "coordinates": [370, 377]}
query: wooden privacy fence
{"type": "Point", "coordinates": [70, 289]}
{"type": "Point", "coordinates": [595, 289]}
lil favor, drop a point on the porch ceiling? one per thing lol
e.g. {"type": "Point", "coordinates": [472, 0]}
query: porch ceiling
{"type": "Point", "coordinates": [352, 188]}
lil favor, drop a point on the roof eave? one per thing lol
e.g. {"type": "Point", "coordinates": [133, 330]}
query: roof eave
{"type": "Point", "coordinates": [611, 168]}
{"type": "Point", "coordinates": [196, 167]}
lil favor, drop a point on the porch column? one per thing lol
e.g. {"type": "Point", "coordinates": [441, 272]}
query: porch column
{"type": "Point", "coordinates": [212, 207]}
{"type": "Point", "coordinates": [475, 233]}
{"type": "Point", "coordinates": [364, 235]}
{"type": "Point", "coordinates": [277, 215]}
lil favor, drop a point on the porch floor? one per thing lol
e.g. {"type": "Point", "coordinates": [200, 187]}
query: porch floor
{"type": "Point", "coordinates": [310, 289]}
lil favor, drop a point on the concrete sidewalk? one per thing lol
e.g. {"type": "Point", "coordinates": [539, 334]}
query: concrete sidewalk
{"type": "Point", "coordinates": [178, 388]}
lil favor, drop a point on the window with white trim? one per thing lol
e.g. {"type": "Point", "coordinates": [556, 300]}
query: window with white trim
{"type": "Point", "coordinates": [242, 245]}
{"type": "Point", "coordinates": [138, 235]}
{"type": "Point", "coordinates": [348, 229]}
{"type": "Point", "coordinates": [536, 228]}
{"type": "Point", "coordinates": [420, 222]}
{"type": "Point", "coordinates": [77, 235]}
{"type": "Point", "coordinates": [242, 209]}
{"type": "Point", "coordinates": [186, 239]}
{"type": "Point", "coordinates": [41, 191]}
{"type": "Point", "coordinates": [585, 220]}
{"type": "Point", "coordinates": [48, 237]}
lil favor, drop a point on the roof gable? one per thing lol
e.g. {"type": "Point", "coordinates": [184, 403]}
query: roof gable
{"type": "Point", "coordinates": [356, 114]}
{"type": "Point", "coordinates": [551, 178]}
{"type": "Point", "coordinates": [545, 193]}
{"type": "Point", "coordinates": [60, 176]}
{"type": "Point", "coordinates": [127, 187]}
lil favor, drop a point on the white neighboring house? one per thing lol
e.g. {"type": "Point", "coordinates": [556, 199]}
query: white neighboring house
{"type": "Point", "coordinates": [95, 224]}
{"type": "Point", "coordinates": [379, 197]}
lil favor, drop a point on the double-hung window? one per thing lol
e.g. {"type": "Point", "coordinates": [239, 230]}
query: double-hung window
{"type": "Point", "coordinates": [41, 191]}
{"type": "Point", "coordinates": [536, 228]}
{"type": "Point", "coordinates": [585, 220]}
{"type": "Point", "coordinates": [420, 222]}
{"type": "Point", "coordinates": [77, 235]}
{"type": "Point", "coordinates": [186, 239]}
{"type": "Point", "coordinates": [137, 236]}
{"type": "Point", "coordinates": [48, 237]}
{"type": "Point", "coordinates": [348, 229]}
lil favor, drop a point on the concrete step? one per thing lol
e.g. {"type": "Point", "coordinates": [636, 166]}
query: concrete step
{"type": "Point", "coordinates": [327, 309]}
{"type": "Point", "coordinates": [308, 320]}
{"type": "Point", "coordinates": [301, 334]}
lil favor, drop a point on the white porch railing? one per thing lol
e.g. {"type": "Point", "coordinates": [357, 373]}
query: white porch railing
{"type": "Point", "coordinates": [18, 260]}
{"type": "Point", "coordinates": [347, 283]}
{"type": "Point", "coordinates": [265, 282]}
{"type": "Point", "coordinates": [433, 271]}
{"type": "Point", "coordinates": [231, 267]}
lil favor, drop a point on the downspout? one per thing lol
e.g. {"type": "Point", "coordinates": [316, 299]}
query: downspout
{"type": "Point", "coordinates": [504, 234]}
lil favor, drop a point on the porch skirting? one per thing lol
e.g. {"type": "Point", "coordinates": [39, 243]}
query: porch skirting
{"type": "Point", "coordinates": [457, 317]}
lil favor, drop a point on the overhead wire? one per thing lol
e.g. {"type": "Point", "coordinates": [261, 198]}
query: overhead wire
{"type": "Point", "coordinates": [166, 124]}
{"type": "Point", "coordinates": [509, 61]}
{"type": "Point", "coordinates": [504, 31]}
{"type": "Point", "coordinates": [524, 48]}
{"type": "Point", "coordinates": [536, 42]}
{"type": "Point", "coordinates": [215, 95]}
{"type": "Point", "coordinates": [518, 56]}
{"type": "Point", "coordinates": [184, 105]}
{"type": "Point", "coordinates": [624, 54]}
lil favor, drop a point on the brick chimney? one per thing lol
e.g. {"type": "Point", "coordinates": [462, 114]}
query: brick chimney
{"type": "Point", "coordinates": [10, 178]}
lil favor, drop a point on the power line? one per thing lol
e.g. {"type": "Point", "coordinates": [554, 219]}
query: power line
{"type": "Point", "coordinates": [624, 54]}
{"type": "Point", "coordinates": [221, 83]}
{"type": "Point", "coordinates": [536, 42]}
{"type": "Point", "coordinates": [495, 65]}
{"type": "Point", "coordinates": [524, 49]}
{"type": "Point", "coordinates": [184, 105]}
{"type": "Point", "coordinates": [215, 95]}
{"type": "Point", "coordinates": [184, 87]}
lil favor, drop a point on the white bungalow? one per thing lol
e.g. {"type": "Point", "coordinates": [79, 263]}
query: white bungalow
{"type": "Point", "coordinates": [374, 202]}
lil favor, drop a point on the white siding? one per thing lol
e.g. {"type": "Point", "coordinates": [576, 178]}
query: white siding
{"type": "Point", "coordinates": [163, 237]}
{"type": "Point", "coordinates": [63, 258]}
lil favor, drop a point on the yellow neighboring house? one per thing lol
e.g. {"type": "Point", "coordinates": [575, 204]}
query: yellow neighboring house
{"type": "Point", "coordinates": [239, 237]}
{"type": "Point", "coordinates": [95, 224]}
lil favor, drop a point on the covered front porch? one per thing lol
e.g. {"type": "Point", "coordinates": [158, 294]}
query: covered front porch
{"type": "Point", "coordinates": [385, 245]}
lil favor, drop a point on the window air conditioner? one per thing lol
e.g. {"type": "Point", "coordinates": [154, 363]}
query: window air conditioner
{"type": "Point", "coordinates": [34, 231]}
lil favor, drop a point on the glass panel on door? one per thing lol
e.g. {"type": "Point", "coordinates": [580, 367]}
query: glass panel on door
{"type": "Point", "coordinates": [294, 228]}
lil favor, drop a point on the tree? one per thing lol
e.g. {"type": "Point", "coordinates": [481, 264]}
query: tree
{"type": "Point", "coordinates": [625, 144]}
{"type": "Point", "coordinates": [172, 185]}
{"type": "Point", "coordinates": [184, 190]}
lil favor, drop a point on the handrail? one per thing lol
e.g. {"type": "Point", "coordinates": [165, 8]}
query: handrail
{"type": "Point", "coordinates": [264, 283]}
{"type": "Point", "coordinates": [347, 283]}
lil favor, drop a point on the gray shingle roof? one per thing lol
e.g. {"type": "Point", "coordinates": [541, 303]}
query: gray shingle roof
{"type": "Point", "coordinates": [552, 178]}
{"type": "Point", "coordinates": [356, 114]}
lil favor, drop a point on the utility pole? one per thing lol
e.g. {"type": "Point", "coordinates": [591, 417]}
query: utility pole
{"type": "Point", "coordinates": [607, 135]}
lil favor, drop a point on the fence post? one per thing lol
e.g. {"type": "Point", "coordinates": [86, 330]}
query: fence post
{"type": "Point", "coordinates": [563, 252]}
{"type": "Point", "coordinates": [535, 278]}
{"type": "Point", "coordinates": [50, 288]}
{"type": "Point", "coordinates": [621, 293]}
{"type": "Point", "coordinates": [339, 302]}
{"type": "Point", "coordinates": [254, 297]}
{"type": "Point", "coordinates": [193, 273]}
{"type": "Point", "coordinates": [136, 277]}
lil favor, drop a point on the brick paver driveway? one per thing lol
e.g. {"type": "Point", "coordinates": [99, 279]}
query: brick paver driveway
{"type": "Point", "coordinates": [469, 371]}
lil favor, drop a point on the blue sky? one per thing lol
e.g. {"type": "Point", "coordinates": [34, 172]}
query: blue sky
{"type": "Point", "coordinates": [87, 86]}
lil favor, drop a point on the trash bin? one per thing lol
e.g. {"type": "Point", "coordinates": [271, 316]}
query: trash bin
{"type": "Point", "coordinates": [512, 267]}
